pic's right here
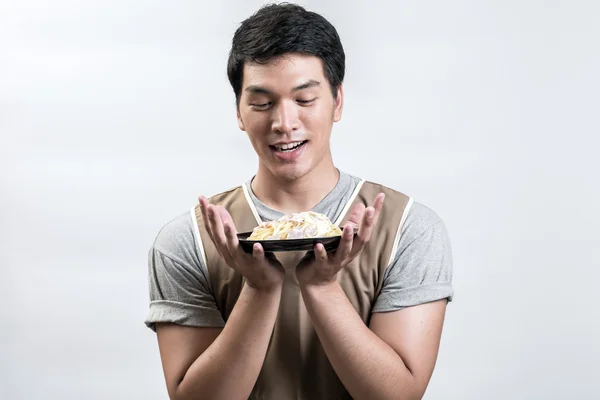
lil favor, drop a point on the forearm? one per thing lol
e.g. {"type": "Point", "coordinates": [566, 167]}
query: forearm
{"type": "Point", "coordinates": [367, 366]}
{"type": "Point", "coordinates": [229, 367]}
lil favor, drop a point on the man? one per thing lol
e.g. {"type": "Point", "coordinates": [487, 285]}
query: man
{"type": "Point", "coordinates": [363, 321]}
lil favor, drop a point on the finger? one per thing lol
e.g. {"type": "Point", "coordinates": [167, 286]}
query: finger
{"type": "Point", "coordinates": [369, 220]}
{"type": "Point", "coordinates": [204, 208]}
{"type": "Point", "coordinates": [228, 221]}
{"type": "Point", "coordinates": [378, 203]}
{"type": "Point", "coordinates": [225, 216]}
{"type": "Point", "coordinates": [320, 253]}
{"type": "Point", "coordinates": [345, 245]}
{"type": "Point", "coordinates": [378, 206]}
{"type": "Point", "coordinates": [229, 229]}
{"type": "Point", "coordinates": [356, 214]}
{"type": "Point", "coordinates": [364, 232]}
{"type": "Point", "coordinates": [231, 237]}
{"type": "Point", "coordinates": [258, 253]}
{"type": "Point", "coordinates": [229, 232]}
{"type": "Point", "coordinates": [366, 223]}
{"type": "Point", "coordinates": [216, 226]}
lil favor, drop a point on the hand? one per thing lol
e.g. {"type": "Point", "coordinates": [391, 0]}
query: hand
{"type": "Point", "coordinates": [261, 270]}
{"type": "Point", "coordinates": [319, 268]}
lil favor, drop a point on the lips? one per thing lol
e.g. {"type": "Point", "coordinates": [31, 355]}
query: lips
{"type": "Point", "coordinates": [288, 147]}
{"type": "Point", "coordinates": [289, 151]}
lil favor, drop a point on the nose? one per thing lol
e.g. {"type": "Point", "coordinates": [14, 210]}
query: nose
{"type": "Point", "coordinates": [285, 118]}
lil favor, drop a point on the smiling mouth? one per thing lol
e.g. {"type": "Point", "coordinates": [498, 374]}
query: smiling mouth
{"type": "Point", "coordinates": [288, 148]}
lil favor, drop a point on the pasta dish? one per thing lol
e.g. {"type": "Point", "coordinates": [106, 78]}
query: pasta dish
{"type": "Point", "coordinates": [302, 225]}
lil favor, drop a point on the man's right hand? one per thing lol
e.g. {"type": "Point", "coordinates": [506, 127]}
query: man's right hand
{"type": "Point", "coordinates": [201, 362]}
{"type": "Point", "coordinates": [261, 270]}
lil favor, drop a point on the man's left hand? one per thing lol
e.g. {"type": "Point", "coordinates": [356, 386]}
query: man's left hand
{"type": "Point", "coordinates": [318, 268]}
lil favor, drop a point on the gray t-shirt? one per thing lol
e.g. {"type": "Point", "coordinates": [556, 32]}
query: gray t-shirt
{"type": "Point", "coordinates": [179, 285]}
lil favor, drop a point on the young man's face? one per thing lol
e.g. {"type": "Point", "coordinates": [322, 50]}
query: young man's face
{"type": "Point", "coordinates": [287, 109]}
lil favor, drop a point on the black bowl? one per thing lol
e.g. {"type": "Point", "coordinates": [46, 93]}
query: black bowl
{"type": "Point", "coordinates": [331, 243]}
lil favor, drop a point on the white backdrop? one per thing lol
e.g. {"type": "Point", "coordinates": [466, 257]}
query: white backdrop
{"type": "Point", "coordinates": [116, 115]}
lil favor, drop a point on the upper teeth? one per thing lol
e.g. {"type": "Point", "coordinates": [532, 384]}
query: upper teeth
{"type": "Point", "coordinates": [287, 145]}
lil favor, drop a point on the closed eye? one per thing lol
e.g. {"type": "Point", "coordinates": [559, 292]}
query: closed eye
{"type": "Point", "coordinates": [306, 102]}
{"type": "Point", "coordinates": [262, 106]}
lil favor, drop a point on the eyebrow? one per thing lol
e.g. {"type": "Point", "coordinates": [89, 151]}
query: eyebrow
{"type": "Point", "coordinates": [261, 90]}
{"type": "Point", "coordinates": [307, 85]}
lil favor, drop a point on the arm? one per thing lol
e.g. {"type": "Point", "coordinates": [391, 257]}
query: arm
{"type": "Point", "coordinates": [224, 363]}
{"type": "Point", "coordinates": [215, 364]}
{"type": "Point", "coordinates": [392, 360]}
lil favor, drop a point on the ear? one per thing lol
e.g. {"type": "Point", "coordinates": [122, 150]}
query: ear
{"type": "Point", "coordinates": [338, 105]}
{"type": "Point", "coordinates": [240, 120]}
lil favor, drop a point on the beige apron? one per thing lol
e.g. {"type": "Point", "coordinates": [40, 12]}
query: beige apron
{"type": "Point", "coordinates": [296, 366]}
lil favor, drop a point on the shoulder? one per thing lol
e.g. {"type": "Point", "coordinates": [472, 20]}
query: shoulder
{"type": "Point", "coordinates": [229, 196]}
{"type": "Point", "coordinates": [422, 268]}
{"type": "Point", "coordinates": [418, 216]}
{"type": "Point", "coordinates": [423, 242]}
{"type": "Point", "coordinates": [419, 219]}
{"type": "Point", "coordinates": [379, 187]}
{"type": "Point", "coordinates": [176, 239]}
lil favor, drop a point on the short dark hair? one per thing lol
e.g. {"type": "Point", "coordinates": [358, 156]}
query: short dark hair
{"type": "Point", "coordinates": [277, 29]}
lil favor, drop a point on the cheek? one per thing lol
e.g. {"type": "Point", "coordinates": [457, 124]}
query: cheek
{"type": "Point", "coordinates": [258, 142]}
{"type": "Point", "coordinates": [256, 129]}
{"type": "Point", "coordinates": [318, 123]}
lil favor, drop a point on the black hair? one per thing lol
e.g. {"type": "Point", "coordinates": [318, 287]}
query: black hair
{"type": "Point", "coordinates": [277, 29]}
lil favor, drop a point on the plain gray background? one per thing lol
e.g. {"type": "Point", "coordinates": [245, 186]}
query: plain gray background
{"type": "Point", "coordinates": [116, 115]}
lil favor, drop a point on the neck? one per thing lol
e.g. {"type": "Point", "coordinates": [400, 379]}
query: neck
{"type": "Point", "coordinates": [297, 195]}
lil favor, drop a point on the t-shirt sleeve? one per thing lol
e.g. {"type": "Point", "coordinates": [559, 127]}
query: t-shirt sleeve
{"type": "Point", "coordinates": [178, 283]}
{"type": "Point", "coordinates": [422, 269]}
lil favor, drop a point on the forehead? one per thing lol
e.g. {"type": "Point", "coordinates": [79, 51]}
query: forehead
{"type": "Point", "coordinates": [284, 73]}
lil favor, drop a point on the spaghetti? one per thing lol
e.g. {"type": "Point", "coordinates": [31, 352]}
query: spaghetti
{"type": "Point", "coordinates": [302, 225]}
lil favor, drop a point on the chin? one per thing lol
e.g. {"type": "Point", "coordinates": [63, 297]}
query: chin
{"type": "Point", "coordinates": [290, 172]}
